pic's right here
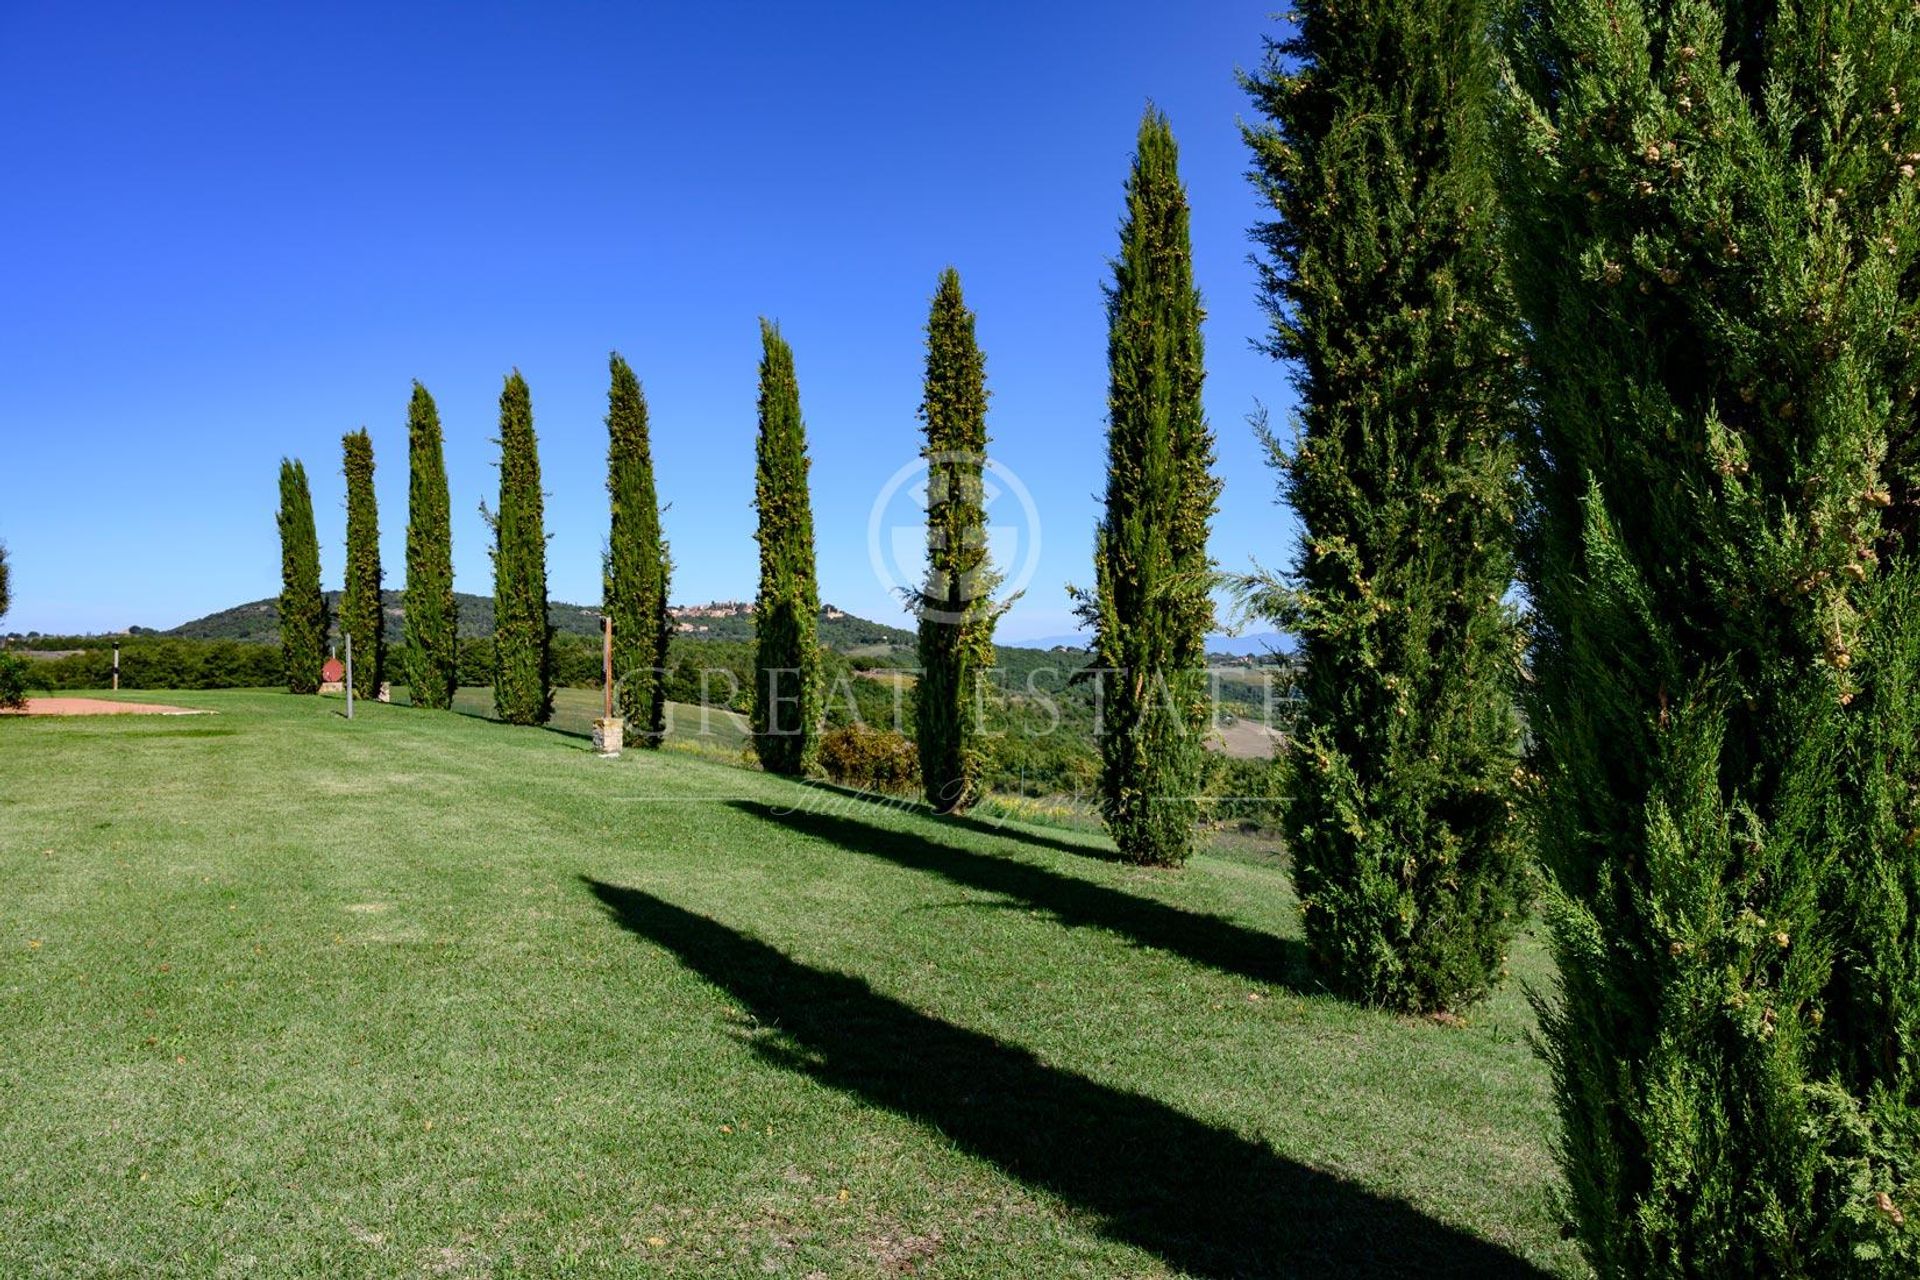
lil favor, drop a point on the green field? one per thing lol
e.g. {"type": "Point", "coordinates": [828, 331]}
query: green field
{"type": "Point", "coordinates": [422, 994]}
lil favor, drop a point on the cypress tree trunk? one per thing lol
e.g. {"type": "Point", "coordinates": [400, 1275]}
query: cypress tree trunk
{"type": "Point", "coordinates": [522, 637]}
{"type": "Point", "coordinates": [1151, 610]}
{"type": "Point", "coordinates": [1716, 255]}
{"type": "Point", "coordinates": [361, 615]}
{"type": "Point", "coordinates": [955, 607]}
{"type": "Point", "coordinates": [432, 657]}
{"type": "Point", "coordinates": [303, 609]}
{"type": "Point", "coordinates": [1384, 279]}
{"type": "Point", "coordinates": [786, 612]}
{"type": "Point", "coordinates": [638, 568]}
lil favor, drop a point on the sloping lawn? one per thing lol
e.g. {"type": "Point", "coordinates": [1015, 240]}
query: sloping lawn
{"type": "Point", "coordinates": [425, 995]}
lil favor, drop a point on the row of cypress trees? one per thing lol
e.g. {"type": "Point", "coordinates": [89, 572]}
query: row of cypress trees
{"type": "Point", "coordinates": [523, 666]}
{"type": "Point", "coordinates": [1644, 327]}
{"type": "Point", "coordinates": [1150, 608]}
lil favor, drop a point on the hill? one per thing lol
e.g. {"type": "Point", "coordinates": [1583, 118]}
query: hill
{"type": "Point", "coordinates": [258, 622]}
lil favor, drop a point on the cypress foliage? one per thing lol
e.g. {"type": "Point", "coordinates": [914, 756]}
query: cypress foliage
{"type": "Point", "coordinates": [1717, 254]}
{"type": "Point", "coordinates": [1383, 276]}
{"type": "Point", "coordinates": [955, 606]}
{"type": "Point", "coordinates": [361, 614]}
{"type": "Point", "coordinates": [1151, 609]}
{"type": "Point", "coordinates": [522, 636]}
{"type": "Point", "coordinates": [303, 607]}
{"type": "Point", "coordinates": [432, 656]}
{"type": "Point", "coordinates": [786, 614]}
{"type": "Point", "coordinates": [6, 579]}
{"type": "Point", "coordinates": [638, 566]}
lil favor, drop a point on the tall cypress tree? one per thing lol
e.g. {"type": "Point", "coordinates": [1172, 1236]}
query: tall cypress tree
{"type": "Point", "coordinates": [6, 580]}
{"type": "Point", "coordinates": [432, 656]}
{"type": "Point", "coordinates": [522, 636]}
{"type": "Point", "coordinates": [638, 567]}
{"type": "Point", "coordinates": [786, 613]}
{"type": "Point", "coordinates": [303, 607]}
{"type": "Point", "coordinates": [361, 613]}
{"type": "Point", "coordinates": [955, 605]}
{"type": "Point", "coordinates": [1151, 609]}
{"type": "Point", "coordinates": [1384, 279]}
{"type": "Point", "coordinates": [1717, 254]}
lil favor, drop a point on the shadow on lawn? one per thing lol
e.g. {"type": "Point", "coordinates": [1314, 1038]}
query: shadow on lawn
{"type": "Point", "coordinates": [1204, 939]}
{"type": "Point", "coordinates": [1088, 844]}
{"type": "Point", "coordinates": [1205, 1199]}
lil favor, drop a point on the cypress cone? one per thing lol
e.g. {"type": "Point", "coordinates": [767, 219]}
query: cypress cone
{"type": "Point", "coordinates": [955, 606]}
{"type": "Point", "coordinates": [786, 614]}
{"type": "Point", "coordinates": [303, 608]}
{"type": "Point", "coordinates": [432, 656]}
{"type": "Point", "coordinates": [1384, 277]}
{"type": "Point", "coordinates": [522, 636]}
{"type": "Point", "coordinates": [638, 568]}
{"type": "Point", "coordinates": [1151, 609]}
{"type": "Point", "coordinates": [361, 613]}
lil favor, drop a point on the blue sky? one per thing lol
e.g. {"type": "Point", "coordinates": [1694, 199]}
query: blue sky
{"type": "Point", "coordinates": [235, 232]}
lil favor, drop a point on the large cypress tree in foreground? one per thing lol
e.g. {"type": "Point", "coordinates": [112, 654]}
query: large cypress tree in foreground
{"type": "Point", "coordinates": [522, 637]}
{"type": "Point", "coordinates": [1717, 250]}
{"type": "Point", "coordinates": [955, 605]}
{"type": "Point", "coordinates": [638, 568]}
{"type": "Point", "coordinates": [432, 656]}
{"type": "Point", "coordinates": [361, 614]}
{"type": "Point", "coordinates": [786, 613]}
{"type": "Point", "coordinates": [1151, 609]}
{"type": "Point", "coordinates": [1384, 279]}
{"type": "Point", "coordinates": [303, 608]}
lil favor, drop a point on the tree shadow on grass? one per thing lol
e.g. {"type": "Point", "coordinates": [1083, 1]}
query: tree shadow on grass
{"type": "Point", "coordinates": [1205, 1199]}
{"type": "Point", "coordinates": [1091, 844]}
{"type": "Point", "coordinates": [1204, 939]}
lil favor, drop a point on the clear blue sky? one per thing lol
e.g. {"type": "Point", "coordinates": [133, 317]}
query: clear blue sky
{"type": "Point", "coordinates": [235, 232]}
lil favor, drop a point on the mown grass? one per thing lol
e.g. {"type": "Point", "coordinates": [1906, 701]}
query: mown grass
{"type": "Point", "coordinates": [422, 994]}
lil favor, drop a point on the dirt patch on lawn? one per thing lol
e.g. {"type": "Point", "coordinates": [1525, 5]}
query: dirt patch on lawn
{"type": "Point", "coordinates": [99, 707]}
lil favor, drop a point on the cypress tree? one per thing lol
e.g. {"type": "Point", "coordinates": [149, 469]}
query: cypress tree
{"type": "Point", "coordinates": [955, 605]}
{"type": "Point", "coordinates": [1716, 255]}
{"type": "Point", "coordinates": [1151, 608]}
{"type": "Point", "coordinates": [522, 636]}
{"type": "Point", "coordinates": [786, 613]}
{"type": "Point", "coordinates": [432, 655]}
{"type": "Point", "coordinates": [6, 580]}
{"type": "Point", "coordinates": [638, 566]}
{"type": "Point", "coordinates": [361, 613]}
{"type": "Point", "coordinates": [1383, 276]}
{"type": "Point", "coordinates": [303, 607]}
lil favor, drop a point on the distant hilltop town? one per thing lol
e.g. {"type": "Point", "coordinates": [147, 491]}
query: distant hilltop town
{"type": "Point", "coordinates": [685, 615]}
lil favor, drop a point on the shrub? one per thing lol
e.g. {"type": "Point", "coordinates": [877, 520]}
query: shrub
{"type": "Point", "coordinates": [14, 671]}
{"type": "Point", "coordinates": [871, 759]}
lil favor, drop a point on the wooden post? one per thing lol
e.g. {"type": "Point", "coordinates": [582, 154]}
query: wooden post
{"type": "Point", "coordinates": [116, 666]}
{"type": "Point", "coordinates": [606, 666]}
{"type": "Point", "coordinates": [349, 675]}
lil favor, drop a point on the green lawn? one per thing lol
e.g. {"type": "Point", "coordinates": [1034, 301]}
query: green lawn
{"type": "Point", "coordinates": [713, 730]}
{"type": "Point", "coordinates": [422, 994]}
